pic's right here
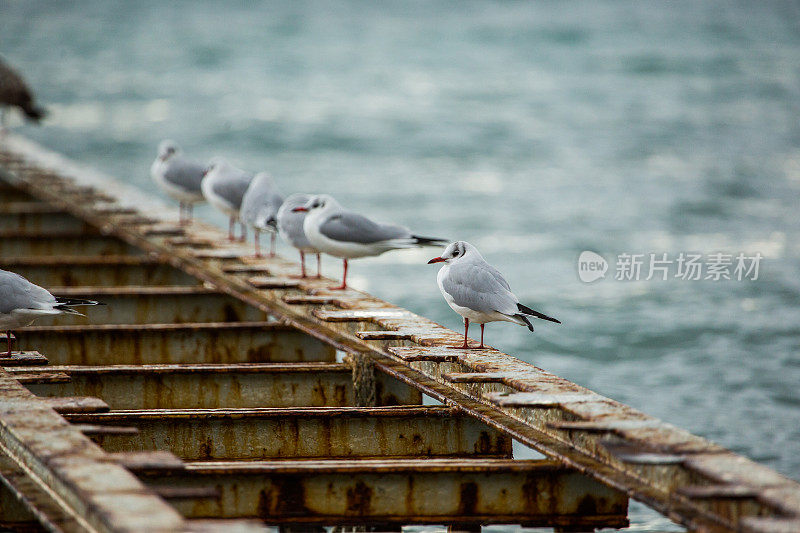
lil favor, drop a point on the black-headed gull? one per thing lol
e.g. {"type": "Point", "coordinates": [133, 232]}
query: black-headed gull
{"type": "Point", "coordinates": [14, 92]}
{"type": "Point", "coordinates": [179, 177]}
{"type": "Point", "coordinates": [290, 228]}
{"type": "Point", "coordinates": [477, 291]}
{"type": "Point", "coordinates": [224, 186]}
{"type": "Point", "coordinates": [260, 206]}
{"type": "Point", "coordinates": [345, 234]}
{"type": "Point", "coordinates": [22, 302]}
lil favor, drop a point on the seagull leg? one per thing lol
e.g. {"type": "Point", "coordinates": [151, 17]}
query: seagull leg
{"type": "Point", "coordinates": [302, 264]}
{"type": "Point", "coordinates": [319, 266]}
{"type": "Point", "coordinates": [258, 244]}
{"type": "Point", "coordinates": [243, 237]}
{"type": "Point", "coordinates": [466, 331]}
{"type": "Point", "coordinates": [272, 245]}
{"type": "Point", "coordinates": [231, 223]}
{"type": "Point", "coordinates": [481, 346]}
{"type": "Point", "coordinates": [343, 286]}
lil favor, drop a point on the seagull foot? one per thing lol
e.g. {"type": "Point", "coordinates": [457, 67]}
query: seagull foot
{"type": "Point", "coordinates": [338, 288]}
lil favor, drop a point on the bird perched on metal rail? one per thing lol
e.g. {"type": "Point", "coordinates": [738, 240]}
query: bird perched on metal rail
{"type": "Point", "coordinates": [22, 302]}
{"type": "Point", "coordinates": [14, 92]}
{"type": "Point", "coordinates": [179, 177]}
{"type": "Point", "coordinates": [477, 291]}
{"type": "Point", "coordinates": [224, 186]}
{"type": "Point", "coordinates": [259, 210]}
{"type": "Point", "coordinates": [290, 228]}
{"type": "Point", "coordinates": [341, 233]}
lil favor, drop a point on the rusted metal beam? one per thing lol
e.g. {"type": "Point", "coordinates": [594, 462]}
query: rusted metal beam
{"type": "Point", "coordinates": [431, 491]}
{"type": "Point", "coordinates": [493, 400]}
{"type": "Point", "coordinates": [228, 342]}
{"type": "Point", "coordinates": [38, 218]}
{"type": "Point", "coordinates": [209, 386]}
{"type": "Point", "coordinates": [157, 305]}
{"type": "Point", "coordinates": [65, 243]}
{"type": "Point", "coordinates": [96, 271]}
{"type": "Point", "coordinates": [216, 434]}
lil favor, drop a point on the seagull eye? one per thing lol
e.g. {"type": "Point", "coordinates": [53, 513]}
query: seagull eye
{"type": "Point", "coordinates": [455, 254]}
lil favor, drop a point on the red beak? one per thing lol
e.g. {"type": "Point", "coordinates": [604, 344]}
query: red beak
{"type": "Point", "coordinates": [436, 260]}
{"type": "Point", "coordinates": [300, 209]}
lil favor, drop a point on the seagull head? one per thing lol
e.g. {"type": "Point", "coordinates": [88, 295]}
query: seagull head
{"type": "Point", "coordinates": [320, 201]}
{"type": "Point", "coordinates": [216, 163]}
{"type": "Point", "coordinates": [167, 149]}
{"type": "Point", "coordinates": [454, 252]}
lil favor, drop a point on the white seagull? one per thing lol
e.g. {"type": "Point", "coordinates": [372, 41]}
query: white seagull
{"type": "Point", "coordinates": [335, 231]}
{"type": "Point", "coordinates": [477, 291]}
{"type": "Point", "coordinates": [260, 206]}
{"type": "Point", "coordinates": [179, 178]}
{"type": "Point", "coordinates": [224, 186]}
{"type": "Point", "coordinates": [290, 228]}
{"type": "Point", "coordinates": [22, 302]}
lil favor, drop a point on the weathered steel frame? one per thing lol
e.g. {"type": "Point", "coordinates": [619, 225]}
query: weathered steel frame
{"type": "Point", "coordinates": [691, 480]}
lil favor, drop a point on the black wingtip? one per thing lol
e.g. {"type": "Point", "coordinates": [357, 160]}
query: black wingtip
{"type": "Point", "coordinates": [71, 302]}
{"type": "Point", "coordinates": [528, 311]}
{"type": "Point", "coordinates": [525, 319]}
{"type": "Point", "coordinates": [35, 113]}
{"type": "Point", "coordinates": [429, 241]}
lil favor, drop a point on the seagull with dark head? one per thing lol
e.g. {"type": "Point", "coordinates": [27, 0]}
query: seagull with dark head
{"type": "Point", "coordinates": [341, 233]}
{"type": "Point", "coordinates": [224, 186]}
{"type": "Point", "coordinates": [14, 92]}
{"type": "Point", "coordinates": [22, 302]}
{"type": "Point", "coordinates": [179, 177]}
{"type": "Point", "coordinates": [477, 291]}
{"type": "Point", "coordinates": [260, 205]}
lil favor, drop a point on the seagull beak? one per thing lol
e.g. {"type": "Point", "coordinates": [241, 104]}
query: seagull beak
{"type": "Point", "coordinates": [436, 260]}
{"type": "Point", "coordinates": [300, 209]}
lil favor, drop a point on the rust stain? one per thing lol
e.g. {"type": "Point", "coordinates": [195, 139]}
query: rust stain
{"type": "Point", "coordinates": [359, 499]}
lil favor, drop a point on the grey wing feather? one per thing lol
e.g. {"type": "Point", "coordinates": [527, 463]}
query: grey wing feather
{"type": "Point", "coordinates": [478, 288]}
{"type": "Point", "coordinates": [352, 227]}
{"type": "Point", "coordinates": [17, 292]}
{"type": "Point", "coordinates": [232, 190]}
{"type": "Point", "coordinates": [185, 174]}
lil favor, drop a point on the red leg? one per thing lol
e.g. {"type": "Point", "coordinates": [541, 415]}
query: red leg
{"type": "Point", "coordinates": [243, 237]}
{"type": "Point", "coordinates": [231, 223]}
{"type": "Point", "coordinates": [258, 244]}
{"type": "Point", "coordinates": [466, 331]}
{"type": "Point", "coordinates": [481, 346]}
{"type": "Point", "coordinates": [302, 265]}
{"type": "Point", "coordinates": [343, 286]}
{"type": "Point", "coordinates": [319, 266]}
{"type": "Point", "coordinates": [272, 245]}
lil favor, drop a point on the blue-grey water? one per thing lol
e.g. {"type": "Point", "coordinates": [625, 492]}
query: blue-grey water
{"type": "Point", "coordinates": [533, 130]}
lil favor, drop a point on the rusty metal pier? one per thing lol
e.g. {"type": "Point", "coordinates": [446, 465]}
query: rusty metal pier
{"type": "Point", "coordinates": [216, 392]}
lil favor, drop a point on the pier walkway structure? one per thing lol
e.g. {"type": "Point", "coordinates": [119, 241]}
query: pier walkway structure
{"type": "Point", "coordinates": [216, 392]}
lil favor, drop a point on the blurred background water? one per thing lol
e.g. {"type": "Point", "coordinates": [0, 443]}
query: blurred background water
{"type": "Point", "coordinates": [533, 130]}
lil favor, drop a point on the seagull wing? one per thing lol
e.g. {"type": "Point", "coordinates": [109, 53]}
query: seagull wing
{"type": "Point", "coordinates": [351, 227]}
{"type": "Point", "coordinates": [17, 292]}
{"type": "Point", "coordinates": [480, 287]}
{"type": "Point", "coordinates": [185, 174]}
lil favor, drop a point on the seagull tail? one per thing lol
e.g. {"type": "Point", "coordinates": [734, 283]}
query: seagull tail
{"type": "Point", "coordinates": [66, 304]}
{"type": "Point", "coordinates": [428, 241]}
{"type": "Point", "coordinates": [528, 311]}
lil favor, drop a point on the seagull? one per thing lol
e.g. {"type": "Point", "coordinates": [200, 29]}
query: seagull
{"type": "Point", "coordinates": [335, 231]}
{"type": "Point", "coordinates": [224, 186]}
{"type": "Point", "coordinates": [290, 228]}
{"type": "Point", "coordinates": [14, 92]}
{"type": "Point", "coordinates": [260, 206]}
{"type": "Point", "coordinates": [477, 291]}
{"type": "Point", "coordinates": [22, 302]}
{"type": "Point", "coordinates": [179, 177]}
